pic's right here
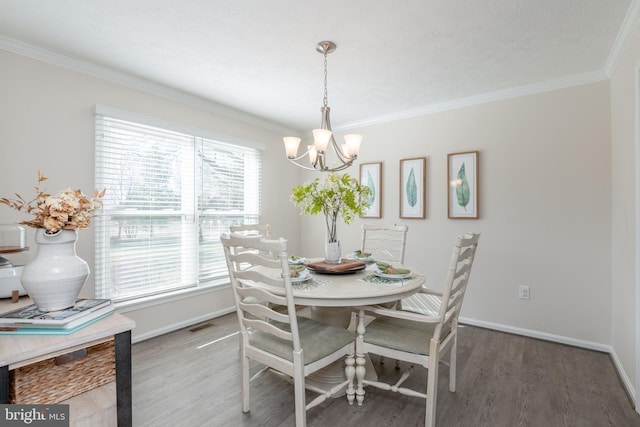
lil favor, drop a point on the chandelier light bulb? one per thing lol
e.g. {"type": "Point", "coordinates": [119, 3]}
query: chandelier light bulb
{"type": "Point", "coordinates": [313, 154]}
{"type": "Point", "coordinates": [321, 139]}
{"type": "Point", "coordinates": [291, 144]}
{"type": "Point", "coordinates": [353, 142]}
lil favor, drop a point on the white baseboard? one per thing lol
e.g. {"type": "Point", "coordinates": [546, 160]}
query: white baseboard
{"type": "Point", "coordinates": [628, 386]}
{"type": "Point", "coordinates": [537, 334]}
{"type": "Point", "coordinates": [180, 325]}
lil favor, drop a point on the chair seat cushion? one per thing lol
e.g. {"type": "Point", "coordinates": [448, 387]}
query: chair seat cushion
{"type": "Point", "coordinates": [403, 335]}
{"type": "Point", "coordinates": [316, 338]}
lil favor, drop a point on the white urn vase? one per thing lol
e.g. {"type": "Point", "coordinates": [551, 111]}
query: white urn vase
{"type": "Point", "coordinates": [55, 277]}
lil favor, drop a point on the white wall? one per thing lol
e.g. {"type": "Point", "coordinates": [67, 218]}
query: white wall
{"type": "Point", "coordinates": [47, 123]}
{"type": "Point", "coordinates": [545, 207]}
{"type": "Point", "coordinates": [624, 119]}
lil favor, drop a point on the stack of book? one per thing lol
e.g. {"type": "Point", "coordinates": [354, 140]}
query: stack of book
{"type": "Point", "coordinates": [29, 320]}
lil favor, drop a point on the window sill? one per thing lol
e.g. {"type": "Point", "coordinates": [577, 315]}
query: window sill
{"type": "Point", "coordinates": [153, 300]}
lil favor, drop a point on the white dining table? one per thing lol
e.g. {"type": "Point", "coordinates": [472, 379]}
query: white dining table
{"type": "Point", "coordinates": [332, 298]}
{"type": "Point", "coordinates": [362, 287]}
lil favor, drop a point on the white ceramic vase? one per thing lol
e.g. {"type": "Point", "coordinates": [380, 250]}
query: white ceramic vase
{"type": "Point", "coordinates": [55, 277]}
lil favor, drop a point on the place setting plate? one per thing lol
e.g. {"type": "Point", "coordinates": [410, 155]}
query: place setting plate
{"type": "Point", "coordinates": [301, 273]}
{"type": "Point", "coordinates": [296, 260]}
{"type": "Point", "coordinates": [360, 256]}
{"type": "Point", "coordinates": [382, 270]}
{"type": "Point", "coordinates": [302, 277]}
{"type": "Point", "coordinates": [392, 276]}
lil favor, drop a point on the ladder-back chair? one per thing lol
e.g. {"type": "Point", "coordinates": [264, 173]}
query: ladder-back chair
{"type": "Point", "coordinates": [282, 341]}
{"type": "Point", "coordinates": [417, 338]}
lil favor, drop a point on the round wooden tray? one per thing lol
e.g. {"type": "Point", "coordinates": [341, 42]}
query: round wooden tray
{"type": "Point", "coordinates": [9, 250]}
{"type": "Point", "coordinates": [12, 249]}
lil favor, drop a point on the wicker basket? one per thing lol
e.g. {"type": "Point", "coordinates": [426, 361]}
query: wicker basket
{"type": "Point", "coordinates": [54, 380]}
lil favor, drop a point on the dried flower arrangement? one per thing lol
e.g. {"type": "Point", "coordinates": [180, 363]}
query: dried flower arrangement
{"type": "Point", "coordinates": [67, 210]}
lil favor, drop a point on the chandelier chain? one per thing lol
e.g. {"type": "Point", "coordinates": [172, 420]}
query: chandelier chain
{"type": "Point", "coordinates": [326, 97]}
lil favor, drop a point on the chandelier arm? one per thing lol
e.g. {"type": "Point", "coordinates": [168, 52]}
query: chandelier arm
{"type": "Point", "coordinates": [306, 153]}
{"type": "Point", "coordinates": [321, 162]}
{"type": "Point", "coordinates": [326, 124]}
{"type": "Point", "coordinates": [300, 165]}
{"type": "Point", "coordinates": [341, 156]}
{"type": "Point", "coordinates": [323, 168]}
{"type": "Point", "coordinates": [294, 160]}
{"type": "Point", "coordinates": [339, 168]}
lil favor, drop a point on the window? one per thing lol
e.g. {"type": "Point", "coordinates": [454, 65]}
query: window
{"type": "Point", "coordinates": [169, 196]}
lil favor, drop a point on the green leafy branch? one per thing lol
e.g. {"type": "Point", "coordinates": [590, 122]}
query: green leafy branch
{"type": "Point", "coordinates": [339, 195]}
{"type": "Point", "coordinates": [463, 192]}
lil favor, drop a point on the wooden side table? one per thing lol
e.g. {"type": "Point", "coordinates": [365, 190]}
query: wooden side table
{"type": "Point", "coordinates": [18, 351]}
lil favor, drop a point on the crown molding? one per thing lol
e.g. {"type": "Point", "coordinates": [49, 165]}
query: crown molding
{"type": "Point", "coordinates": [631, 22]}
{"type": "Point", "coordinates": [500, 95]}
{"type": "Point", "coordinates": [124, 79]}
{"type": "Point", "coordinates": [627, 30]}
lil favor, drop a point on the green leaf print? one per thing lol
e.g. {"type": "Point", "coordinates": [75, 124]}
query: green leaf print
{"type": "Point", "coordinates": [412, 189]}
{"type": "Point", "coordinates": [372, 185]}
{"type": "Point", "coordinates": [463, 192]}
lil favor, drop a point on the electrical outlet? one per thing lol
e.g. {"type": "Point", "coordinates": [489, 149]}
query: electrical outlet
{"type": "Point", "coordinates": [524, 292]}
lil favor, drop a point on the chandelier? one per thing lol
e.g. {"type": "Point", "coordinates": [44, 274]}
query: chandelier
{"type": "Point", "coordinates": [323, 137]}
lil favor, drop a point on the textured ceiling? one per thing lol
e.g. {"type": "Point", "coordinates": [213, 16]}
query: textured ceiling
{"type": "Point", "coordinates": [393, 57]}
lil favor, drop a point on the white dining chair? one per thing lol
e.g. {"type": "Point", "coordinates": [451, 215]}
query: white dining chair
{"type": "Point", "coordinates": [384, 242]}
{"type": "Point", "coordinates": [252, 230]}
{"type": "Point", "coordinates": [420, 339]}
{"type": "Point", "coordinates": [288, 344]}
{"type": "Point", "coordinates": [262, 230]}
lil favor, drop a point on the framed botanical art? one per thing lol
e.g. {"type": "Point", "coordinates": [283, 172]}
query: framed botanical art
{"type": "Point", "coordinates": [371, 176]}
{"type": "Point", "coordinates": [462, 182]}
{"type": "Point", "coordinates": [413, 183]}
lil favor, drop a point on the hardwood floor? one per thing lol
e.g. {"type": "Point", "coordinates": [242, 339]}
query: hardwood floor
{"type": "Point", "coordinates": [191, 379]}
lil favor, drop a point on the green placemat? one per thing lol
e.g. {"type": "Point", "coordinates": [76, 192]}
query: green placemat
{"type": "Point", "coordinates": [311, 284]}
{"type": "Point", "coordinates": [372, 278]}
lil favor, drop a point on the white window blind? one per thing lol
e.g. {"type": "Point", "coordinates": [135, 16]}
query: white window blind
{"type": "Point", "coordinates": [169, 196]}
